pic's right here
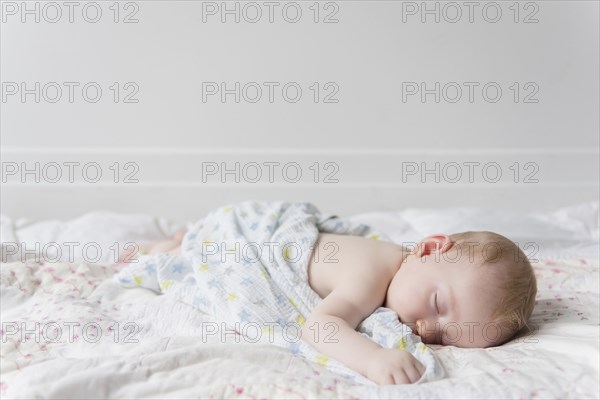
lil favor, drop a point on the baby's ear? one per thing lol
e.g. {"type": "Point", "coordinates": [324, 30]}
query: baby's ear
{"type": "Point", "coordinates": [434, 243]}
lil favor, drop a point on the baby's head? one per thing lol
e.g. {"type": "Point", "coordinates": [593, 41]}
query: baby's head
{"type": "Point", "coordinates": [470, 289]}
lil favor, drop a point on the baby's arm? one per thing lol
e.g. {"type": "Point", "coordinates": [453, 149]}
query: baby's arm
{"type": "Point", "coordinates": [336, 318]}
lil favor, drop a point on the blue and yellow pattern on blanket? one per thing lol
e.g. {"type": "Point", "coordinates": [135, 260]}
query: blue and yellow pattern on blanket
{"type": "Point", "coordinates": [247, 264]}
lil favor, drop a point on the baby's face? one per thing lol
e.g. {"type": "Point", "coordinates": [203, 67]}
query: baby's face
{"type": "Point", "coordinates": [448, 303]}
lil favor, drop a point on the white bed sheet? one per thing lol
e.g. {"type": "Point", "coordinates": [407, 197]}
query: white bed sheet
{"type": "Point", "coordinates": [560, 359]}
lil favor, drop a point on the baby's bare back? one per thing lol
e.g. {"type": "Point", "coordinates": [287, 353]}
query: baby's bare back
{"type": "Point", "coordinates": [352, 260]}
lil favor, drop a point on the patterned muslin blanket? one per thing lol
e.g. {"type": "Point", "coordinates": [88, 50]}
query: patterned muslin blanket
{"type": "Point", "coordinates": [246, 266]}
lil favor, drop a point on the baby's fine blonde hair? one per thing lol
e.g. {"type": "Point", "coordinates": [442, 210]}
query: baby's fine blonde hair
{"type": "Point", "coordinates": [512, 275]}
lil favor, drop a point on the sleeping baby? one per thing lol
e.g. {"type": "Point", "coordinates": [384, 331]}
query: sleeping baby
{"type": "Point", "coordinates": [471, 289]}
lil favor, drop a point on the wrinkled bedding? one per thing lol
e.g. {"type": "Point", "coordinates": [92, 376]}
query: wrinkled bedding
{"type": "Point", "coordinates": [137, 344]}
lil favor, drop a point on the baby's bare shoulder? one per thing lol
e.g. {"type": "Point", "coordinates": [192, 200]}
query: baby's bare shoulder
{"type": "Point", "coordinates": [354, 264]}
{"type": "Point", "coordinates": [354, 276]}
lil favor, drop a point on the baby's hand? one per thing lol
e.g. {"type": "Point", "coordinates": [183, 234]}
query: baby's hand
{"type": "Point", "coordinates": [393, 367]}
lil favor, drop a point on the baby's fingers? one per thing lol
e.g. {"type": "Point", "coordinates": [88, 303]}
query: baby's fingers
{"type": "Point", "coordinates": [401, 378]}
{"type": "Point", "coordinates": [413, 371]}
{"type": "Point", "coordinates": [420, 367]}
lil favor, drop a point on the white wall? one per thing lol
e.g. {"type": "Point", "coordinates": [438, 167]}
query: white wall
{"type": "Point", "coordinates": [373, 133]}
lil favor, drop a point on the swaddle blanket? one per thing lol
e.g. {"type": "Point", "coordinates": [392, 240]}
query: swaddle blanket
{"type": "Point", "coordinates": [246, 266]}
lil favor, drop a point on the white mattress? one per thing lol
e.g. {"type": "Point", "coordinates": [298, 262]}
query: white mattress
{"type": "Point", "coordinates": [559, 359]}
